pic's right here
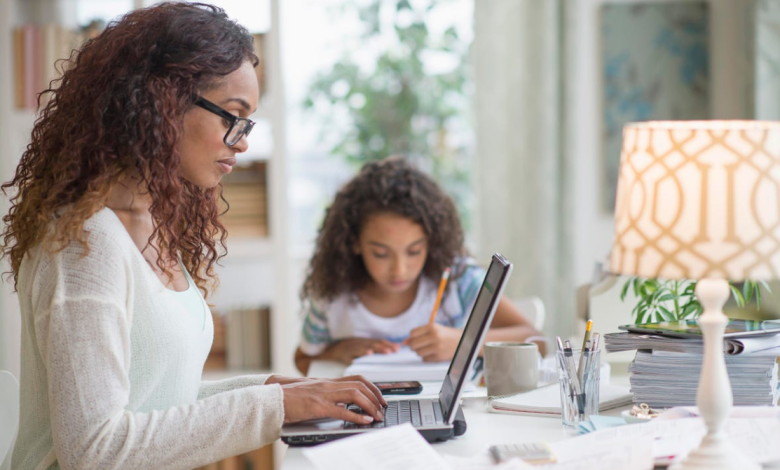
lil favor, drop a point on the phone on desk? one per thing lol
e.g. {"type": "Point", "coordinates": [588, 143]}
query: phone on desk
{"type": "Point", "coordinates": [531, 452]}
{"type": "Point", "coordinates": [399, 388]}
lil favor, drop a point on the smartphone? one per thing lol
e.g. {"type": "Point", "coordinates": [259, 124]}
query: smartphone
{"type": "Point", "coordinates": [399, 388]}
{"type": "Point", "coordinates": [531, 452]}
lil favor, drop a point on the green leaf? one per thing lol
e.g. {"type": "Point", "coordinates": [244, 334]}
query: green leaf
{"type": "Point", "coordinates": [687, 310]}
{"type": "Point", "coordinates": [666, 297]}
{"type": "Point", "coordinates": [737, 296]}
{"type": "Point", "coordinates": [766, 286]}
{"type": "Point", "coordinates": [624, 291]}
{"type": "Point", "coordinates": [667, 315]}
{"type": "Point", "coordinates": [637, 286]}
{"type": "Point", "coordinates": [758, 298]}
{"type": "Point", "coordinates": [747, 290]}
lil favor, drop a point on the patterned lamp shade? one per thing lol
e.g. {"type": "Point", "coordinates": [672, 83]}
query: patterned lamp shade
{"type": "Point", "coordinates": [699, 199]}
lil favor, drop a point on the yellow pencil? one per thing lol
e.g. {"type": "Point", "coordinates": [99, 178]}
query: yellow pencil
{"type": "Point", "coordinates": [583, 351]}
{"type": "Point", "coordinates": [444, 276]}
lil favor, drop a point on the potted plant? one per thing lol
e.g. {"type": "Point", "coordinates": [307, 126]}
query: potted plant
{"type": "Point", "coordinates": [675, 300]}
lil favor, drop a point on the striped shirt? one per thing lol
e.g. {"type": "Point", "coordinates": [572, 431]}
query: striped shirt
{"type": "Point", "coordinates": [346, 316]}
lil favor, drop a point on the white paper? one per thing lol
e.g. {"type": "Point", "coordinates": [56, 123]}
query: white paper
{"type": "Point", "coordinates": [485, 462]}
{"type": "Point", "coordinates": [394, 448]}
{"type": "Point", "coordinates": [606, 454]}
{"type": "Point", "coordinates": [756, 437]}
{"type": "Point", "coordinates": [403, 356]}
{"type": "Point", "coordinates": [402, 365]}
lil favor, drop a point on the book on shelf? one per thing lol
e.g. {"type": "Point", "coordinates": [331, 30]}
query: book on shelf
{"type": "Point", "coordinates": [259, 40]}
{"type": "Point", "coordinates": [245, 192]}
{"type": "Point", "coordinates": [248, 338]}
{"type": "Point", "coordinates": [37, 50]}
{"type": "Point", "coordinates": [546, 401]}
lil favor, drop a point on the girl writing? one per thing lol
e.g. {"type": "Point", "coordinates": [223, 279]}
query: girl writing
{"type": "Point", "coordinates": [373, 280]}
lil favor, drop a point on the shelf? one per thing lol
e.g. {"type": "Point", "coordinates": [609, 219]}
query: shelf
{"type": "Point", "coordinates": [241, 249]}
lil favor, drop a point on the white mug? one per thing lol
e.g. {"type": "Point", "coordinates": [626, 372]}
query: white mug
{"type": "Point", "coordinates": [511, 367]}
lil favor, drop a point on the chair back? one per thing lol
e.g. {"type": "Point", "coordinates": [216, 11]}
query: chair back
{"type": "Point", "coordinates": [9, 416]}
{"type": "Point", "coordinates": [533, 309]}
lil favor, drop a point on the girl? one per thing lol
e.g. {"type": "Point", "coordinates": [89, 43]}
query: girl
{"type": "Point", "coordinates": [112, 237]}
{"type": "Point", "coordinates": [374, 276]}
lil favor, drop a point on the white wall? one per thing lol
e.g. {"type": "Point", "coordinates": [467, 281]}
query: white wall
{"type": "Point", "coordinates": [731, 91]}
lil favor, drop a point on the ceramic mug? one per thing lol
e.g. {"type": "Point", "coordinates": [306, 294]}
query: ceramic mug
{"type": "Point", "coordinates": [511, 367]}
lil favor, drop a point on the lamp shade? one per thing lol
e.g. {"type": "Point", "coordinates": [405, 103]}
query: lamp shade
{"type": "Point", "coordinates": [698, 199]}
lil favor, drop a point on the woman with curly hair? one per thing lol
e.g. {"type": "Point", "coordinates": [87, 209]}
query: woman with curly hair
{"type": "Point", "coordinates": [112, 236]}
{"type": "Point", "coordinates": [373, 280]}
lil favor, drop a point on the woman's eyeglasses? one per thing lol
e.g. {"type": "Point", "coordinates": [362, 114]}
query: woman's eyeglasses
{"type": "Point", "coordinates": [239, 126]}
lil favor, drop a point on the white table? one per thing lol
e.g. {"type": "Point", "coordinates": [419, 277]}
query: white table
{"type": "Point", "coordinates": [483, 428]}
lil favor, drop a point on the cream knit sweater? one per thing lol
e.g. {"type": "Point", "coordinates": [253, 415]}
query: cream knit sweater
{"type": "Point", "coordinates": [111, 367]}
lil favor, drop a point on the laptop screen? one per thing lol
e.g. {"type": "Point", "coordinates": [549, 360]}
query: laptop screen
{"type": "Point", "coordinates": [468, 347]}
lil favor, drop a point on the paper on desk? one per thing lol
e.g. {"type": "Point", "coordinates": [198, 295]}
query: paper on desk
{"type": "Point", "coordinates": [756, 437]}
{"type": "Point", "coordinates": [623, 453]}
{"type": "Point", "coordinates": [393, 448]}
{"type": "Point", "coordinates": [485, 462]}
{"type": "Point", "coordinates": [402, 365]}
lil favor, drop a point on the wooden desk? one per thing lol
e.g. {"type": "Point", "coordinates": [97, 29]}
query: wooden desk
{"type": "Point", "coordinates": [484, 428]}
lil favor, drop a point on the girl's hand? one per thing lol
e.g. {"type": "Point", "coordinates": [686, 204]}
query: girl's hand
{"type": "Point", "coordinates": [347, 350]}
{"type": "Point", "coordinates": [325, 398]}
{"type": "Point", "coordinates": [435, 342]}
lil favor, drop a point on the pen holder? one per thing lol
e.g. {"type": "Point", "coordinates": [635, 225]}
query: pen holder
{"type": "Point", "coordinates": [579, 385]}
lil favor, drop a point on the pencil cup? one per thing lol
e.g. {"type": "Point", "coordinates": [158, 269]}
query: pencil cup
{"type": "Point", "coordinates": [579, 385]}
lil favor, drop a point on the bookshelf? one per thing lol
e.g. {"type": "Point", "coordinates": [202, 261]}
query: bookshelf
{"type": "Point", "coordinates": [255, 290]}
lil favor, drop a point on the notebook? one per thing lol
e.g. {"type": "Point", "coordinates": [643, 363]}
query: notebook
{"type": "Point", "coordinates": [546, 401]}
{"type": "Point", "coordinates": [434, 418]}
{"type": "Point", "coordinates": [398, 367]}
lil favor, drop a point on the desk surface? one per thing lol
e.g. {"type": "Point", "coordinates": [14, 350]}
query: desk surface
{"type": "Point", "coordinates": [483, 428]}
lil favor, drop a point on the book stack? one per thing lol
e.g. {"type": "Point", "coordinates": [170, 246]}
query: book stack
{"type": "Point", "coordinates": [665, 371]}
{"type": "Point", "coordinates": [36, 50]}
{"type": "Point", "coordinates": [245, 191]}
{"type": "Point", "coordinates": [248, 339]}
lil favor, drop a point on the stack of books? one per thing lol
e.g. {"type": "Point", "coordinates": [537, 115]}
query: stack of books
{"type": "Point", "coordinates": [665, 371]}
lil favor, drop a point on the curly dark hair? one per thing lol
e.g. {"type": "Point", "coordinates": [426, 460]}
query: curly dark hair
{"type": "Point", "coordinates": [393, 186]}
{"type": "Point", "coordinates": [118, 109]}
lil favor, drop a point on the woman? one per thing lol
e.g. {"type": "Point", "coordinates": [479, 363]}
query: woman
{"type": "Point", "coordinates": [112, 236]}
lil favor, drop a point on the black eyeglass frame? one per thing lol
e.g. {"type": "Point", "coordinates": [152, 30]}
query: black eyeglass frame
{"type": "Point", "coordinates": [232, 119]}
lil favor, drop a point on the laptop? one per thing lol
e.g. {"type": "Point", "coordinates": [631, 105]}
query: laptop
{"type": "Point", "coordinates": [434, 418]}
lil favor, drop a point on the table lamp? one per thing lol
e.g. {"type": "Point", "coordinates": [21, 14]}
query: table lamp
{"type": "Point", "coordinates": [701, 200]}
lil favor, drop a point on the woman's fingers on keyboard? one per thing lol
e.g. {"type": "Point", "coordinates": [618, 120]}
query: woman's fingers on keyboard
{"type": "Point", "coordinates": [369, 385]}
{"type": "Point", "coordinates": [311, 400]}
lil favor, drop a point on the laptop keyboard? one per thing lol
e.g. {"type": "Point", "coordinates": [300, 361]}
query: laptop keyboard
{"type": "Point", "coordinates": [396, 412]}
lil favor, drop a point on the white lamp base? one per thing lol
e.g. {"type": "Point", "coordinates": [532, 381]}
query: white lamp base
{"type": "Point", "coordinates": [714, 397]}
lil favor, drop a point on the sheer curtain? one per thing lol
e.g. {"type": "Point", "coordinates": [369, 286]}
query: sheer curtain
{"type": "Point", "coordinates": [522, 176]}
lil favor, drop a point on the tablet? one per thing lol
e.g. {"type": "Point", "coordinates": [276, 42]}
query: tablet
{"type": "Point", "coordinates": [689, 328]}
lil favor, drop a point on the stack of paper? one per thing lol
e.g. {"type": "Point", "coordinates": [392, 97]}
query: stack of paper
{"type": "Point", "coordinates": [665, 371]}
{"type": "Point", "coordinates": [400, 366]}
{"type": "Point", "coordinates": [754, 346]}
{"type": "Point", "coordinates": [546, 401]}
{"type": "Point", "coordinates": [665, 379]}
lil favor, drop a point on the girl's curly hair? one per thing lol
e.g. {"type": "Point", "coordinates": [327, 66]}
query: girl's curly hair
{"type": "Point", "coordinates": [118, 109]}
{"type": "Point", "coordinates": [393, 186]}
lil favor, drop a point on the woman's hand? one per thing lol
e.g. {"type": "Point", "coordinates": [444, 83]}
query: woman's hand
{"type": "Point", "coordinates": [434, 342]}
{"type": "Point", "coordinates": [325, 398]}
{"type": "Point", "coordinates": [347, 350]}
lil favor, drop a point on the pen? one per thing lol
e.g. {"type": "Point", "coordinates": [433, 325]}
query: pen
{"type": "Point", "coordinates": [442, 284]}
{"type": "Point", "coordinates": [584, 345]}
{"type": "Point", "coordinates": [571, 371]}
